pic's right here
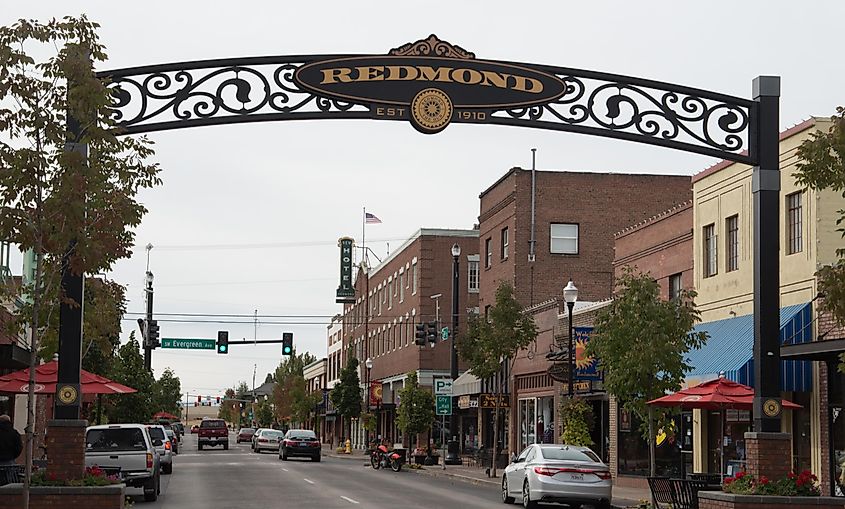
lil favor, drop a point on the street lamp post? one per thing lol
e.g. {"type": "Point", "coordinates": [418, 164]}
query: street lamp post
{"type": "Point", "coordinates": [453, 364]}
{"type": "Point", "coordinates": [148, 347]}
{"type": "Point", "coordinates": [570, 295]}
{"type": "Point", "coordinates": [369, 365]}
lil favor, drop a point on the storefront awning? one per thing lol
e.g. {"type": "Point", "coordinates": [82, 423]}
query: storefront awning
{"type": "Point", "coordinates": [730, 349]}
{"type": "Point", "coordinates": [466, 384]}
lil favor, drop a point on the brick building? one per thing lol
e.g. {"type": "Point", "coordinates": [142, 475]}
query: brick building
{"type": "Point", "coordinates": [575, 217]}
{"type": "Point", "coordinates": [412, 285]}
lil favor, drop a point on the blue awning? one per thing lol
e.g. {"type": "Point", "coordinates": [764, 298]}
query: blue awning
{"type": "Point", "coordinates": [730, 349]}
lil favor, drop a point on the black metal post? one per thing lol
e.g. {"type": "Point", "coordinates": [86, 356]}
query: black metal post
{"type": "Point", "coordinates": [765, 188]}
{"type": "Point", "coordinates": [148, 347]}
{"type": "Point", "coordinates": [453, 364]}
{"type": "Point", "coordinates": [571, 351]}
{"type": "Point", "coordinates": [367, 403]}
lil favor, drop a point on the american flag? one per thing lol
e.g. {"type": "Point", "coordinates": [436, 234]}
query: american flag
{"type": "Point", "coordinates": [371, 218]}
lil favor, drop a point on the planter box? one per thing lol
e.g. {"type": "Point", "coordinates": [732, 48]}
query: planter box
{"type": "Point", "coordinates": [53, 497]}
{"type": "Point", "coordinates": [721, 500]}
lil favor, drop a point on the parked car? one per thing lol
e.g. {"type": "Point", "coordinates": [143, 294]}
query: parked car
{"type": "Point", "coordinates": [557, 473]}
{"type": "Point", "coordinates": [126, 450]}
{"type": "Point", "coordinates": [163, 446]}
{"type": "Point", "coordinates": [245, 435]}
{"type": "Point", "coordinates": [255, 437]}
{"type": "Point", "coordinates": [269, 439]}
{"type": "Point", "coordinates": [174, 439]}
{"type": "Point", "coordinates": [300, 442]}
{"type": "Point", "coordinates": [179, 428]}
{"type": "Point", "coordinates": [195, 429]}
{"type": "Point", "coordinates": [213, 432]}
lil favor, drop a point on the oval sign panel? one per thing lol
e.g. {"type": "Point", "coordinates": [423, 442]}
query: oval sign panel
{"type": "Point", "coordinates": [431, 91]}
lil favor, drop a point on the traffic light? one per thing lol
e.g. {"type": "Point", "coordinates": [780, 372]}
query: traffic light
{"type": "Point", "coordinates": [287, 343]}
{"type": "Point", "coordinates": [419, 336]}
{"type": "Point", "coordinates": [152, 334]}
{"type": "Point", "coordinates": [199, 399]}
{"type": "Point", "coordinates": [223, 341]}
{"type": "Point", "coordinates": [218, 400]}
{"type": "Point", "coordinates": [431, 332]}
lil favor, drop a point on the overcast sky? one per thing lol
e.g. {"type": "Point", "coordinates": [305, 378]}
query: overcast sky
{"type": "Point", "coordinates": [249, 215]}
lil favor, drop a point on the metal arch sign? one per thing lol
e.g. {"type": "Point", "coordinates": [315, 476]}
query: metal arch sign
{"type": "Point", "coordinates": [431, 83]}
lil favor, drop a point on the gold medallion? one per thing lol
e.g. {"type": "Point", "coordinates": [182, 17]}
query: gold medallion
{"type": "Point", "coordinates": [431, 110]}
{"type": "Point", "coordinates": [771, 407]}
{"type": "Point", "coordinates": [68, 394]}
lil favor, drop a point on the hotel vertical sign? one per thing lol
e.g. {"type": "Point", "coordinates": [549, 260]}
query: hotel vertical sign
{"type": "Point", "coordinates": [345, 292]}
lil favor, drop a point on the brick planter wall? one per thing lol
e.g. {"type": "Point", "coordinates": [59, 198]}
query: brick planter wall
{"type": "Point", "coordinates": [769, 454]}
{"type": "Point", "coordinates": [59, 497]}
{"type": "Point", "coordinates": [719, 500]}
{"type": "Point", "coordinates": [66, 448]}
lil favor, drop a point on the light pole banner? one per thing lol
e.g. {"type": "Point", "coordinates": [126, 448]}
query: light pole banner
{"type": "Point", "coordinates": [586, 368]}
{"type": "Point", "coordinates": [345, 292]}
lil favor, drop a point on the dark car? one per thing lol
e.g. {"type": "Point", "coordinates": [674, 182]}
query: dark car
{"type": "Point", "coordinates": [300, 442]}
{"type": "Point", "coordinates": [195, 429]}
{"type": "Point", "coordinates": [245, 435]}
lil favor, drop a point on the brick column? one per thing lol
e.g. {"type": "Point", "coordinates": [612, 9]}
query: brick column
{"type": "Point", "coordinates": [768, 454]}
{"type": "Point", "coordinates": [613, 432]}
{"type": "Point", "coordinates": [66, 448]}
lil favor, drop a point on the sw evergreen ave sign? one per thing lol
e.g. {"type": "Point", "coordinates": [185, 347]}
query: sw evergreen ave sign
{"type": "Point", "coordinates": [188, 344]}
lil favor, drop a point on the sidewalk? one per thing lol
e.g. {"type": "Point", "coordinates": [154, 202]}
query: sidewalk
{"type": "Point", "coordinates": [622, 497]}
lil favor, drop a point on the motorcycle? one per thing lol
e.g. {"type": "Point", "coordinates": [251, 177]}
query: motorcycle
{"type": "Point", "coordinates": [381, 457]}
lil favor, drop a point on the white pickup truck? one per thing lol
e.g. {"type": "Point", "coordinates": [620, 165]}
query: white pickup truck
{"type": "Point", "coordinates": [126, 450]}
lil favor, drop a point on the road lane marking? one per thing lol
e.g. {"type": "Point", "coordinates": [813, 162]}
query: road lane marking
{"type": "Point", "coordinates": [309, 481]}
{"type": "Point", "coordinates": [349, 500]}
{"type": "Point", "coordinates": [286, 470]}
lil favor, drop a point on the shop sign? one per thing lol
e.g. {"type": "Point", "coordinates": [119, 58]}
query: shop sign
{"type": "Point", "coordinates": [624, 420]}
{"type": "Point", "coordinates": [345, 292]}
{"type": "Point", "coordinates": [583, 386]}
{"type": "Point", "coordinates": [489, 401]}
{"type": "Point", "coordinates": [467, 401]}
{"type": "Point", "coordinates": [734, 415]}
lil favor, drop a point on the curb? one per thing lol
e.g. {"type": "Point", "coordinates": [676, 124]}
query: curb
{"type": "Point", "coordinates": [441, 473]}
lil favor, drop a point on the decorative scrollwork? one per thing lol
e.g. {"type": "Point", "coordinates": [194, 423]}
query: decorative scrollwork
{"type": "Point", "coordinates": [166, 97]}
{"type": "Point", "coordinates": [432, 46]}
{"type": "Point", "coordinates": [650, 112]}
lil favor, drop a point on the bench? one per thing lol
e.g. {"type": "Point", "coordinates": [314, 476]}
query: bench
{"type": "Point", "coordinates": [661, 490]}
{"type": "Point", "coordinates": [685, 492]}
{"type": "Point", "coordinates": [11, 474]}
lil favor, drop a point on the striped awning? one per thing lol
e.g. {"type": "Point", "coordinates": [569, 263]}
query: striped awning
{"type": "Point", "coordinates": [730, 348]}
{"type": "Point", "coordinates": [466, 384]}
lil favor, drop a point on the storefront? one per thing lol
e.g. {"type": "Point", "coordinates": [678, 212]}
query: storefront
{"type": "Point", "coordinates": [535, 412]}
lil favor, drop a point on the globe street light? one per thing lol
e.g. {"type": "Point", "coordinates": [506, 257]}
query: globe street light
{"type": "Point", "coordinates": [453, 364]}
{"type": "Point", "coordinates": [570, 295]}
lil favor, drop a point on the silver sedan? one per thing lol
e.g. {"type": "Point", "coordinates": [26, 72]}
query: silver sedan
{"type": "Point", "coordinates": [557, 473]}
{"type": "Point", "coordinates": [268, 439]}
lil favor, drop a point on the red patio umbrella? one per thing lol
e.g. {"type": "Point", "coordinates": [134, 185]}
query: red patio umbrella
{"type": "Point", "coordinates": [165, 415]}
{"type": "Point", "coordinates": [719, 394]}
{"type": "Point", "coordinates": [46, 377]}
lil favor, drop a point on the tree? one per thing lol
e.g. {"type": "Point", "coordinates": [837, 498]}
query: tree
{"type": "Point", "coordinates": [60, 203]}
{"type": "Point", "coordinates": [167, 393]}
{"type": "Point", "coordinates": [264, 414]}
{"type": "Point", "coordinates": [641, 342]}
{"type": "Point", "coordinates": [346, 394]}
{"type": "Point", "coordinates": [416, 410]}
{"type": "Point", "coordinates": [576, 422]}
{"type": "Point", "coordinates": [229, 409]}
{"type": "Point", "coordinates": [489, 344]}
{"type": "Point", "coordinates": [289, 394]}
{"type": "Point", "coordinates": [821, 165]}
{"type": "Point", "coordinates": [129, 370]}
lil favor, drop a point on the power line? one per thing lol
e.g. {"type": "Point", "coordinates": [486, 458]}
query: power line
{"type": "Point", "coordinates": [230, 315]}
{"type": "Point", "coordinates": [264, 245]}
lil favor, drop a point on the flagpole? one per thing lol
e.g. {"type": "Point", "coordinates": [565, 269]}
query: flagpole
{"type": "Point", "coordinates": [364, 236]}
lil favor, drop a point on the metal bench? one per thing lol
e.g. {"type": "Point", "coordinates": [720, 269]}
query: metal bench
{"type": "Point", "coordinates": [661, 490]}
{"type": "Point", "coordinates": [11, 474]}
{"type": "Point", "coordinates": [685, 492]}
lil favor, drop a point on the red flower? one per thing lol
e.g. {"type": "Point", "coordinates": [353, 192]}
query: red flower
{"type": "Point", "coordinates": [791, 475]}
{"type": "Point", "coordinates": [740, 475]}
{"type": "Point", "coordinates": [764, 479]}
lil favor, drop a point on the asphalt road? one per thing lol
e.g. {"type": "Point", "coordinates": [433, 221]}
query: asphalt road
{"type": "Point", "coordinates": [240, 479]}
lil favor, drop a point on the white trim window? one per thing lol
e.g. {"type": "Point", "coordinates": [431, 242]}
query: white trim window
{"type": "Point", "coordinates": [710, 255]}
{"type": "Point", "coordinates": [563, 238]}
{"type": "Point", "coordinates": [473, 273]}
{"type": "Point", "coordinates": [415, 274]}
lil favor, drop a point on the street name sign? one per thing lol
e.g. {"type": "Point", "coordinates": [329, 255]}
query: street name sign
{"type": "Point", "coordinates": [189, 344]}
{"type": "Point", "coordinates": [443, 387]}
{"type": "Point", "coordinates": [444, 405]}
{"type": "Point", "coordinates": [444, 333]}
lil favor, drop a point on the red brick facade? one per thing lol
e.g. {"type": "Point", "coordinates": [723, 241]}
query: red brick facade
{"type": "Point", "coordinates": [101, 497]}
{"type": "Point", "coordinates": [66, 443]}
{"type": "Point", "coordinates": [768, 454]}
{"type": "Point", "coordinates": [718, 500]}
{"type": "Point", "coordinates": [600, 204]}
{"type": "Point", "coordinates": [660, 246]}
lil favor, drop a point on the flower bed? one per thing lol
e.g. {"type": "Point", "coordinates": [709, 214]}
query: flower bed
{"type": "Point", "coordinates": [743, 491]}
{"type": "Point", "coordinates": [804, 484]}
{"type": "Point", "coordinates": [94, 476]}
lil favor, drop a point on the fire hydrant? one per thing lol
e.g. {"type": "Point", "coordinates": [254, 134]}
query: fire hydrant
{"type": "Point", "coordinates": [348, 446]}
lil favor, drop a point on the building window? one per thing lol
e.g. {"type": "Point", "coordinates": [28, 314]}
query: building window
{"type": "Point", "coordinates": [402, 287]}
{"type": "Point", "coordinates": [675, 286]}
{"type": "Point", "coordinates": [564, 238]}
{"type": "Point", "coordinates": [487, 313]}
{"type": "Point", "coordinates": [504, 243]}
{"type": "Point", "coordinates": [488, 253]}
{"type": "Point", "coordinates": [390, 295]}
{"type": "Point", "coordinates": [710, 258]}
{"type": "Point", "coordinates": [415, 276]}
{"type": "Point", "coordinates": [732, 243]}
{"type": "Point", "coordinates": [793, 223]}
{"type": "Point", "coordinates": [472, 275]}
